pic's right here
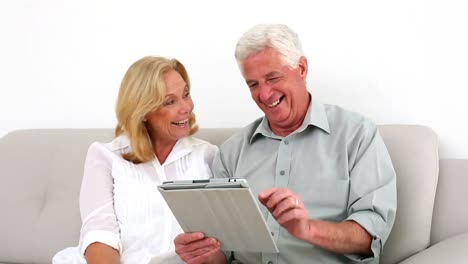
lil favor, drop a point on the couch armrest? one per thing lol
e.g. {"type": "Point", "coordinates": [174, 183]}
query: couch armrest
{"type": "Point", "coordinates": [450, 216]}
{"type": "Point", "coordinates": [452, 250]}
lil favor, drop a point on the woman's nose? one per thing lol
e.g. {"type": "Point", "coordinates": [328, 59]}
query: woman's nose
{"type": "Point", "coordinates": [186, 106]}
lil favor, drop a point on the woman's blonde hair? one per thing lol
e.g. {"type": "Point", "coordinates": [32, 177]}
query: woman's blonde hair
{"type": "Point", "coordinates": [143, 90]}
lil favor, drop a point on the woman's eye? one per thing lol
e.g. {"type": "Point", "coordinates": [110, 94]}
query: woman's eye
{"type": "Point", "coordinates": [187, 94]}
{"type": "Point", "coordinates": [169, 102]}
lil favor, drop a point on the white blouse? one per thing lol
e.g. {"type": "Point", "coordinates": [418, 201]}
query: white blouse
{"type": "Point", "coordinates": [121, 206]}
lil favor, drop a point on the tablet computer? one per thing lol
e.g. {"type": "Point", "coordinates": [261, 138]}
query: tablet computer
{"type": "Point", "coordinates": [223, 208]}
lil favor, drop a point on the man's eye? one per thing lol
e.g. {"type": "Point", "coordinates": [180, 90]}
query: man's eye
{"type": "Point", "coordinates": [253, 85]}
{"type": "Point", "coordinates": [273, 79]}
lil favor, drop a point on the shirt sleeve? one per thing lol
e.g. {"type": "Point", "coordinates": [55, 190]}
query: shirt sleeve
{"type": "Point", "coordinates": [99, 223]}
{"type": "Point", "coordinates": [218, 166]}
{"type": "Point", "coordinates": [372, 198]}
{"type": "Point", "coordinates": [209, 154]}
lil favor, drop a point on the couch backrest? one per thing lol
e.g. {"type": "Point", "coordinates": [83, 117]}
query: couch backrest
{"type": "Point", "coordinates": [414, 153]}
{"type": "Point", "coordinates": [41, 172]}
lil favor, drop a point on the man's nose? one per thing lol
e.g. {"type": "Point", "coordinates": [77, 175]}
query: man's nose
{"type": "Point", "coordinates": [265, 92]}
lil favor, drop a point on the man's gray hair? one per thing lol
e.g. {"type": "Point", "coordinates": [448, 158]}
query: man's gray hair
{"type": "Point", "coordinates": [277, 36]}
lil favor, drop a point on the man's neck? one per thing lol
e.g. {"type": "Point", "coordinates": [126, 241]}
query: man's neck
{"type": "Point", "coordinates": [287, 130]}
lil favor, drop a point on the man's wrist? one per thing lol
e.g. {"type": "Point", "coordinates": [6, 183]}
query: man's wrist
{"type": "Point", "coordinates": [312, 234]}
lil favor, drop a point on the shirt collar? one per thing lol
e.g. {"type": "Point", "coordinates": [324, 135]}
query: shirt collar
{"type": "Point", "coordinates": [315, 116]}
{"type": "Point", "coordinates": [182, 147]}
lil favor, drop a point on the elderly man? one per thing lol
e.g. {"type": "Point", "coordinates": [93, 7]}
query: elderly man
{"type": "Point", "coordinates": [322, 173]}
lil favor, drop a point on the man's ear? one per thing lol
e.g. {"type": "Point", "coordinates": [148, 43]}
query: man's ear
{"type": "Point", "coordinates": [303, 67]}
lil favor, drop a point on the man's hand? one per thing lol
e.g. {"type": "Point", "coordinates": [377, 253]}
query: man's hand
{"type": "Point", "coordinates": [288, 210]}
{"type": "Point", "coordinates": [195, 248]}
{"type": "Point", "coordinates": [346, 237]}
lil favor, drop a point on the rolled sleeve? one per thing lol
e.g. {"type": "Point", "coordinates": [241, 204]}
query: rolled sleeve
{"type": "Point", "coordinates": [370, 222]}
{"type": "Point", "coordinates": [372, 201]}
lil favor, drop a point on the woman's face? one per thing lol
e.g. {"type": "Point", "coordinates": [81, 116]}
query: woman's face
{"type": "Point", "coordinates": [170, 122]}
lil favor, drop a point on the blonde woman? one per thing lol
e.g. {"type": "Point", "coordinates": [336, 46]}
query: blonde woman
{"type": "Point", "coordinates": [125, 220]}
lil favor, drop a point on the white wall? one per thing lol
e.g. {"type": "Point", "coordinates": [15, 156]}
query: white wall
{"type": "Point", "coordinates": [403, 61]}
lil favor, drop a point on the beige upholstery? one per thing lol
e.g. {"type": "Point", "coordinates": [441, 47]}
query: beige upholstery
{"type": "Point", "coordinates": [41, 173]}
{"type": "Point", "coordinates": [415, 158]}
{"type": "Point", "coordinates": [451, 251]}
{"type": "Point", "coordinates": [452, 190]}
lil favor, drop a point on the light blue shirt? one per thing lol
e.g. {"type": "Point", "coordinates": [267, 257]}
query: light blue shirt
{"type": "Point", "coordinates": [338, 164]}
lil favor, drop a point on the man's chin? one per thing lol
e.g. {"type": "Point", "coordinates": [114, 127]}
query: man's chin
{"type": "Point", "coordinates": [276, 122]}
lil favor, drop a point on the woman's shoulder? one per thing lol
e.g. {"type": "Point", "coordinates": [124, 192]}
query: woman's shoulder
{"type": "Point", "coordinates": [118, 145]}
{"type": "Point", "coordinates": [203, 149]}
{"type": "Point", "coordinates": [197, 143]}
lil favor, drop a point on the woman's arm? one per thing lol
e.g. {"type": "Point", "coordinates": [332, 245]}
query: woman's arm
{"type": "Point", "coordinates": [99, 253]}
{"type": "Point", "coordinates": [99, 229]}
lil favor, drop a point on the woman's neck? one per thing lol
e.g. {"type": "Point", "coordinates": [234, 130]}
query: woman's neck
{"type": "Point", "coordinates": [162, 149]}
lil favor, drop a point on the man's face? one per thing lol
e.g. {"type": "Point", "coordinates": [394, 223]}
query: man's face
{"type": "Point", "coordinates": [278, 90]}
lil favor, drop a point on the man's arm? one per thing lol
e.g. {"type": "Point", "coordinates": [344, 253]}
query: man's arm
{"type": "Point", "coordinates": [346, 237]}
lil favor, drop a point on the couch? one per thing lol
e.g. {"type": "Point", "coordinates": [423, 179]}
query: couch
{"type": "Point", "coordinates": [41, 172]}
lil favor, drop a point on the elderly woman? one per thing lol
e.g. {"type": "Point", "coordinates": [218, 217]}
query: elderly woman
{"type": "Point", "coordinates": [125, 220]}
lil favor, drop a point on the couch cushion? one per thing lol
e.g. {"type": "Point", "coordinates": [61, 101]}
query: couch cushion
{"type": "Point", "coordinates": [450, 251]}
{"type": "Point", "coordinates": [450, 209]}
{"type": "Point", "coordinates": [414, 154]}
{"type": "Point", "coordinates": [40, 182]}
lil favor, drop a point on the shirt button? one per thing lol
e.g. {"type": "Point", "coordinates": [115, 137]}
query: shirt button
{"type": "Point", "coordinates": [286, 142]}
{"type": "Point", "coordinates": [282, 172]}
{"type": "Point", "coordinates": [270, 262]}
{"type": "Point", "coordinates": [273, 233]}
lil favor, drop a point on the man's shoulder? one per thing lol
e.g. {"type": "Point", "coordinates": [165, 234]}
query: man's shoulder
{"type": "Point", "coordinates": [340, 118]}
{"type": "Point", "coordinates": [241, 137]}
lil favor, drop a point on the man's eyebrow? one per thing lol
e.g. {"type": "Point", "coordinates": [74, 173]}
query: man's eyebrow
{"type": "Point", "coordinates": [272, 74]}
{"type": "Point", "coordinates": [268, 75]}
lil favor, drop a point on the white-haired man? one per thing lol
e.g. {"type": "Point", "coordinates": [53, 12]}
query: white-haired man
{"type": "Point", "coordinates": [323, 174]}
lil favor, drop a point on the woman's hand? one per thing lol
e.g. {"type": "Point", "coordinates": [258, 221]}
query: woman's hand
{"type": "Point", "coordinates": [195, 248]}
